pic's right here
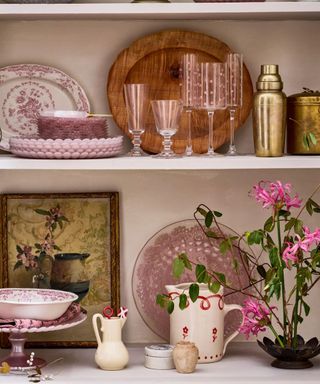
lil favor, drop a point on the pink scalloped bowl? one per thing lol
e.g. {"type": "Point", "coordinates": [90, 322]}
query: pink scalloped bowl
{"type": "Point", "coordinates": [67, 148]}
{"type": "Point", "coordinates": [33, 303]}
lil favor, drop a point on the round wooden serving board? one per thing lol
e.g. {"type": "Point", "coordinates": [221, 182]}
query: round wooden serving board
{"type": "Point", "coordinates": [154, 60]}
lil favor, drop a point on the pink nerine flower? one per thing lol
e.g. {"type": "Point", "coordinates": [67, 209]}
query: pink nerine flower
{"type": "Point", "coordinates": [304, 244]}
{"type": "Point", "coordinates": [256, 317]}
{"type": "Point", "coordinates": [275, 194]}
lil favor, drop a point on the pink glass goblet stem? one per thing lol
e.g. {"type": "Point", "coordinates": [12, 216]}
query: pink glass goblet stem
{"type": "Point", "coordinates": [17, 358]}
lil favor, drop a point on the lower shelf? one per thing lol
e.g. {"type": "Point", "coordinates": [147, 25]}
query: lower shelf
{"type": "Point", "coordinates": [243, 363]}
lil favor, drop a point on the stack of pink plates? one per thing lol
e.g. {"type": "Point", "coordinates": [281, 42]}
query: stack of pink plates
{"type": "Point", "coordinates": [28, 91]}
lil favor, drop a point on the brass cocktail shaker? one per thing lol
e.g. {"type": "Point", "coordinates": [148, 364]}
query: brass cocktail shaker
{"type": "Point", "coordinates": [269, 113]}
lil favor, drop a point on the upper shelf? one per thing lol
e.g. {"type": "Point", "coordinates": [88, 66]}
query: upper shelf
{"type": "Point", "coordinates": [158, 11]}
{"type": "Point", "coordinates": [9, 162]}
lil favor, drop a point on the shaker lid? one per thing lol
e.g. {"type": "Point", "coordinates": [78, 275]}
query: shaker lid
{"type": "Point", "coordinates": [269, 78]}
{"type": "Point", "coordinates": [307, 97]}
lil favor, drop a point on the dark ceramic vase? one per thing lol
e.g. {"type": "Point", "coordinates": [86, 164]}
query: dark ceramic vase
{"type": "Point", "coordinates": [292, 358]}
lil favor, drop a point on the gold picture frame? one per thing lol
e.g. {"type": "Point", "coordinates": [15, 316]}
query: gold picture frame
{"type": "Point", "coordinates": [85, 225]}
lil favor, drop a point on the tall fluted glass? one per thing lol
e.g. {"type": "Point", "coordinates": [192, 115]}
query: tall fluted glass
{"type": "Point", "coordinates": [213, 95]}
{"type": "Point", "coordinates": [189, 73]}
{"type": "Point", "coordinates": [137, 103]}
{"type": "Point", "coordinates": [235, 94]}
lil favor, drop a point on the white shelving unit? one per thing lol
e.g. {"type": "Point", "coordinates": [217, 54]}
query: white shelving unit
{"type": "Point", "coordinates": [158, 11]}
{"type": "Point", "coordinates": [83, 40]}
{"type": "Point", "coordinates": [148, 163]}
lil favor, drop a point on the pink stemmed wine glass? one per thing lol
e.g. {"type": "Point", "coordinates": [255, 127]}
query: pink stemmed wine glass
{"type": "Point", "coordinates": [234, 94]}
{"type": "Point", "coordinates": [213, 94]}
{"type": "Point", "coordinates": [136, 98]}
{"type": "Point", "coordinates": [189, 73]}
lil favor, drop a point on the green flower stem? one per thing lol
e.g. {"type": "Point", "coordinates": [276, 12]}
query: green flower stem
{"type": "Point", "coordinates": [295, 313]}
{"type": "Point", "coordinates": [281, 277]}
{"type": "Point", "coordinates": [276, 335]}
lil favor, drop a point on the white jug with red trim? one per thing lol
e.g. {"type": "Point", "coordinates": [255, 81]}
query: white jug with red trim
{"type": "Point", "coordinates": [201, 322]}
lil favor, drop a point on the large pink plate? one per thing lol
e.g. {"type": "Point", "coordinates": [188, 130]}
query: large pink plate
{"type": "Point", "coordinates": [153, 270]}
{"type": "Point", "coordinates": [28, 89]}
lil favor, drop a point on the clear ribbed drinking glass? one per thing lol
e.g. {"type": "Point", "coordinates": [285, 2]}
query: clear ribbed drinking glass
{"type": "Point", "coordinates": [167, 115]}
{"type": "Point", "coordinates": [235, 94]}
{"type": "Point", "coordinates": [137, 103]}
{"type": "Point", "coordinates": [213, 95]}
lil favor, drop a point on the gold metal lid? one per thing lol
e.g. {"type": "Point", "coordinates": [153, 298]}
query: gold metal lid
{"type": "Point", "coordinates": [269, 78]}
{"type": "Point", "coordinates": [307, 97]}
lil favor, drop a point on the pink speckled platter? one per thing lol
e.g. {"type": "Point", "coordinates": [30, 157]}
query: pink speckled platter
{"type": "Point", "coordinates": [28, 89]}
{"type": "Point", "coordinates": [66, 149]}
{"type": "Point", "coordinates": [153, 270]}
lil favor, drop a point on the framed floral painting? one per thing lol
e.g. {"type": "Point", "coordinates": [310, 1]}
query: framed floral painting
{"type": "Point", "coordinates": [68, 242]}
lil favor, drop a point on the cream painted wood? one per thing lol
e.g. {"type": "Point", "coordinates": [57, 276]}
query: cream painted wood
{"type": "Point", "coordinates": [243, 364]}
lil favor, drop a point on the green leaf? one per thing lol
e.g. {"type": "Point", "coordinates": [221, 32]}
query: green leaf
{"type": "Point", "coordinates": [54, 226]}
{"type": "Point", "coordinates": [269, 224]}
{"type": "Point", "coordinates": [255, 237]}
{"type": "Point", "coordinates": [201, 273]}
{"type": "Point", "coordinates": [235, 265]}
{"type": "Point", "coordinates": [284, 213]}
{"type": "Point", "coordinates": [177, 267]}
{"type": "Point", "coordinates": [305, 141]}
{"type": "Point", "coordinates": [170, 306]}
{"type": "Point", "coordinates": [273, 257]}
{"type": "Point", "coordinates": [38, 246]}
{"type": "Point", "coordinates": [314, 204]}
{"type": "Point", "coordinates": [217, 213]}
{"type": "Point", "coordinates": [224, 246]}
{"type": "Point", "coordinates": [290, 224]}
{"type": "Point", "coordinates": [60, 224]}
{"type": "Point", "coordinates": [214, 287]}
{"type": "Point", "coordinates": [183, 301]}
{"type": "Point", "coordinates": [57, 248]}
{"type": "Point", "coordinates": [17, 265]}
{"type": "Point", "coordinates": [202, 211]}
{"type": "Point", "coordinates": [194, 292]}
{"type": "Point", "coordinates": [161, 300]}
{"type": "Point", "coordinates": [298, 225]}
{"type": "Point", "coordinates": [212, 234]}
{"type": "Point", "coordinates": [261, 270]}
{"type": "Point", "coordinates": [312, 138]}
{"type": "Point", "coordinates": [208, 219]}
{"type": "Point", "coordinates": [63, 218]}
{"type": "Point", "coordinates": [42, 212]}
{"type": "Point", "coordinates": [309, 207]}
{"type": "Point", "coordinates": [306, 308]}
{"type": "Point", "coordinates": [221, 277]}
{"type": "Point", "coordinates": [19, 249]}
{"type": "Point", "coordinates": [184, 257]}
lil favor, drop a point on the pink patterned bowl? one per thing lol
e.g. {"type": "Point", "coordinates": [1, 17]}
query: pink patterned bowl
{"type": "Point", "coordinates": [33, 303]}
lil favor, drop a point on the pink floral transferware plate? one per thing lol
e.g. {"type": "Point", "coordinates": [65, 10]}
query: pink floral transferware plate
{"type": "Point", "coordinates": [66, 148]}
{"type": "Point", "coordinates": [28, 89]}
{"type": "Point", "coordinates": [153, 270]}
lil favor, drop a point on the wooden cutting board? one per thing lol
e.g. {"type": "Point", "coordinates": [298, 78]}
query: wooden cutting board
{"type": "Point", "coordinates": [154, 60]}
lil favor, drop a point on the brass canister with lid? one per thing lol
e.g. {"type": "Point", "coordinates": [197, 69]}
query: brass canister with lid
{"type": "Point", "coordinates": [303, 123]}
{"type": "Point", "coordinates": [269, 113]}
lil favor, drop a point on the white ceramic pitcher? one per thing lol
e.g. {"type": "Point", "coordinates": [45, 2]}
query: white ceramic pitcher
{"type": "Point", "coordinates": [111, 353]}
{"type": "Point", "coordinates": [202, 322]}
